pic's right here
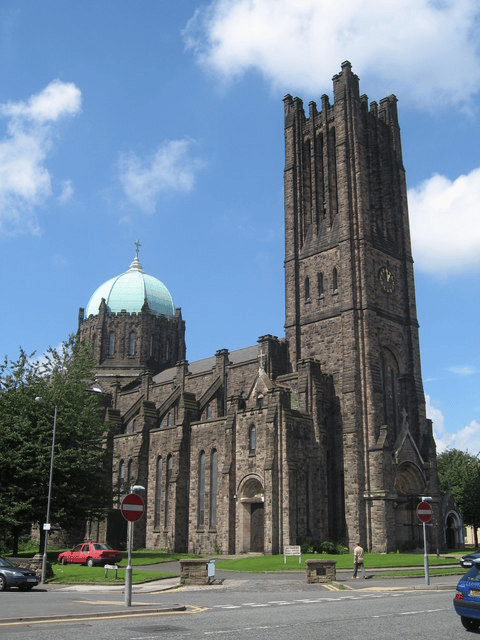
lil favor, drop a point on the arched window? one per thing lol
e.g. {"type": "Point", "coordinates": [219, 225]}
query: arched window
{"type": "Point", "coordinates": [127, 428]}
{"type": "Point", "coordinates": [252, 438]}
{"type": "Point", "coordinates": [131, 343]}
{"type": "Point", "coordinates": [111, 343]}
{"type": "Point", "coordinates": [94, 343]}
{"type": "Point", "coordinates": [134, 426]}
{"type": "Point", "coordinates": [260, 400]}
{"type": "Point", "coordinates": [167, 349]}
{"type": "Point", "coordinates": [213, 488]}
{"type": "Point", "coordinates": [158, 493]}
{"type": "Point", "coordinates": [389, 371]}
{"type": "Point", "coordinates": [129, 474]}
{"type": "Point", "coordinates": [167, 488]}
{"type": "Point", "coordinates": [151, 346]}
{"type": "Point", "coordinates": [335, 280]}
{"type": "Point", "coordinates": [201, 489]}
{"type": "Point", "coordinates": [207, 412]}
{"type": "Point", "coordinates": [169, 419]}
{"type": "Point", "coordinates": [121, 479]}
{"type": "Point", "coordinates": [307, 289]}
{"type": "Point", "coordinates": [320, 288]}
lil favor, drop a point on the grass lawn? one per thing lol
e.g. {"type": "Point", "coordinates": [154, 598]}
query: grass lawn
{"type": "Point", "coordinates": [81, 574]}
{"type": "Point", "coordinates": [257, 564]}
{"type": "Point", "coordinates": [344, 561]}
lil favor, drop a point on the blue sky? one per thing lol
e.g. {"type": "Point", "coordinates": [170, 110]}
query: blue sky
{"type": "Point", "coordinates": [141, 119]}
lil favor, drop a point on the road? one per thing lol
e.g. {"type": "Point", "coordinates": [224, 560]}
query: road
{"type": "Point", "coordinates": [263, 608]}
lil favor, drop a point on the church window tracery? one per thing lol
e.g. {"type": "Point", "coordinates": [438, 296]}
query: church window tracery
{"type": "Point", "coordinates": [389, 371]}
{"type": "Point", "coordinates": [131, 343]}
{"type": "Point", "coordinates": [121, 479]}
{"type": "Point", "coordinates": [167, 488]}
{"type": "Point", "coordinates": [158, 492]}
{"type": "Point", "coordinates": [320, 286]}
{"type": "Point", "coordinates": [129, 473]}
{"type": "Point", "coordinates": [213, 488]}
{"type": "Point", "coordinates": [334, 280]}
{"type": "Point", "coordinates": [252, 439]}
{"type": "Point", "coordinates": [111, 343]}
{"type": "Point", "coordinates": [201, 489]}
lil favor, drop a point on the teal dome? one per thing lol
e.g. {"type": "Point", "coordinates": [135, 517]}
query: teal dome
{"type": "Point", "coordinates": [129, 291]}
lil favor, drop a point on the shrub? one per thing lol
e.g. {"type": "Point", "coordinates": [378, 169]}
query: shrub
{"type": "Point", "coordinates": [328, 547]}
{"type": "Point", "coordinates": [341, 548]}
{"type": "Point", "coordinates": [309, 545]}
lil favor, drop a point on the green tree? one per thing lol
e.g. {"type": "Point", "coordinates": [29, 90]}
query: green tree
{"type": "Point", "coordinates": [80, 484]}
{"type": "Point", "coordinates": [459, 473]}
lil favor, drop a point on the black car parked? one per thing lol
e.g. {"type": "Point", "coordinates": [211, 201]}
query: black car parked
{"type": "Point", "coordinates": [11, 575]}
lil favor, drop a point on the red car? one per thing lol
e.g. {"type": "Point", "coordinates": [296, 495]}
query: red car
{"type": "Point", "coordinates": [91, 553]}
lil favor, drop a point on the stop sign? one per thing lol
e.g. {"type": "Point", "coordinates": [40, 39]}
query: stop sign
{"type": "Point", "coordinates": [424, 512]}
{"type": "Point", "coordinates": [132, 507]}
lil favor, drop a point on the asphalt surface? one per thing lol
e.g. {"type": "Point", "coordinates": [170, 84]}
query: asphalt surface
{"type": "Point", "coordinates": [27, 608]}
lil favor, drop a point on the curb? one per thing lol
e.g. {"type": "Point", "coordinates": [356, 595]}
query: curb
{"type": "Point", "coordinates": [95, 614]}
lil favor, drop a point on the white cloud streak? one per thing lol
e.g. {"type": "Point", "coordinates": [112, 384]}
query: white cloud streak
{"type": "Point", "coordinates": [463, 370]}
{"type": "Point", "coordinates": [444, 222]}
{"type": "Point", "coordinates": [466, 439]}
{"type": "Point", "coordinates": [426, 50]}
{"type": "Point", "coordinates": [67, 192]}
{"type": "Point", "coordinates": [25, 181]}
{"type": "Point", "coordinates": [171, 168]}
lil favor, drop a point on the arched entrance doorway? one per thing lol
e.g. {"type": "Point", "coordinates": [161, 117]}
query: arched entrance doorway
{"type": "Point", "coordinates": [453, 531]}
{"type": "Point", "coordinates": [409, 484]}
{"type": "Point", "coordinates": [252, 520]}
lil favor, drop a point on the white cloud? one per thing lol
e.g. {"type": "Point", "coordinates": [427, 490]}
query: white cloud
{"type": "Point", "coordinates": [442, 438]}
{"type": "Point", "coordinates": [59, 260]}
{"type": "Point", "coordinates": [444, 222]}
{"type": "Point", "coordinates": [171, 168]}
{"type": "Point", "coordinates": [25, 182]}
{"type": "Point", "coordinates": [463, 370]}
{"type": "Point", "coordinates": [426, 50]}
{"type": "Point", "coordinates": [58, 99]}
{"type": "Point", "coordinates": [66, 193]}
{"type": "Point", "coordinates": [466, 439]}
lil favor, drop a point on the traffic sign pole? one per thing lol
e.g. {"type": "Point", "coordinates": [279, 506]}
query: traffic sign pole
{"type": "Point", "coordinates": [132, 510]}
{"type": "Point", "coordinates": [425, 558]}
{"type": "Point", "coordinates": [424, 513]}
{"type": "Point", "coordinates": [128, 570]}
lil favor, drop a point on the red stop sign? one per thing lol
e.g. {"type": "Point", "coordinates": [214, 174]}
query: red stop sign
{"type": "Point", "coordinates": [424, 512]}
{"type": "Point", "coordinates": [132, 507]}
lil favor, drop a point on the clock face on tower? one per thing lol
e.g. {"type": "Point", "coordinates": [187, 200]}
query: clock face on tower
{"type": "Point", "coordinates": [387, 279]}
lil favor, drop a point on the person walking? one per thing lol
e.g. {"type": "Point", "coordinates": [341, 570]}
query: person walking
{"type": "Point", "coordinates": [358, 561]}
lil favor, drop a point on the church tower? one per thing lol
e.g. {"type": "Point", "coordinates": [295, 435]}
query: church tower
{"type": "Point", "coordinates": [350, 302]}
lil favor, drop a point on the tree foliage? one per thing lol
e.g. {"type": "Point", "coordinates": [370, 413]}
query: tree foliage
{"type": "Point", "coordinates": [80, 482]}
{"type": "Point", "coordinates": [459, 473]}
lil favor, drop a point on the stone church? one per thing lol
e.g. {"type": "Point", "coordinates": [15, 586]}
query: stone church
{"type": "Point", "coordinates": [318, 434]}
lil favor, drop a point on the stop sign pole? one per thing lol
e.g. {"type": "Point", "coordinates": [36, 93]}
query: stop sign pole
{"type": "Point", "coordinates": [132, 510]}
{"type": "Point", "coordinates": [424, 513]}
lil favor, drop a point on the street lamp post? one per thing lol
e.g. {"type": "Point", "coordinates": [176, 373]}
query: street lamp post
{"type": "Point", "coordinates": [46, 526]}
